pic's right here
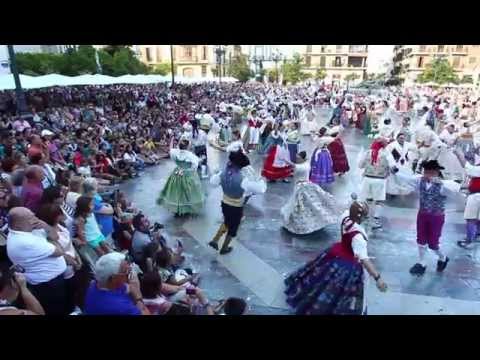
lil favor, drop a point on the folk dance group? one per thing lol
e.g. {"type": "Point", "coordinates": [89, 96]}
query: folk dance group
{"type": "Point", "coordinates": [334, 282]}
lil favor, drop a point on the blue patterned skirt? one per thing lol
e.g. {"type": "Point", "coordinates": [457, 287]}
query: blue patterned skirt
{"type": "Point", "coordinates": [326, 286]}
{"type": "Point", "coordinates": [321, 169]}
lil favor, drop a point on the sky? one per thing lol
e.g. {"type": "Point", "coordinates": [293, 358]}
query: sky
{"type": "Point", "coordinates": [377, 55]}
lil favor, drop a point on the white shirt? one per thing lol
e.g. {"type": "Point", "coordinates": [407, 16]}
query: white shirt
{"type": "Point", "coordinates": [250, 184]}
{"type": "Point", "coordinates": [72, 198]}
{"type": "Point", "coordinates": [201, 139]}
{"type": "Point", "coordinates": [34, 254]}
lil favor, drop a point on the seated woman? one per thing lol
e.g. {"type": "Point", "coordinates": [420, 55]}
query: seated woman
{"type": "Point", "coordinates": [193, 303]}
{"type": "Point", "coordinates": [15, 295]}
{"type": "Point", "coordinates": [86, 228]}
{"type": "Point", "coordinates": [310, 208]}
{"type": "Point", "coordinates": [181, 277]}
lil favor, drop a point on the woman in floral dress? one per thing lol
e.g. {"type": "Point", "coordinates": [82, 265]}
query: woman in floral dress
{"type": "Point", "coordinates": [310, 208]}
{"type": "Point", "coordinates": [335, 282]}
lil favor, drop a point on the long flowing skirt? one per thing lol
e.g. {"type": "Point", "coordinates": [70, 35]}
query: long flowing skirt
{"type": "Point", "coordinates": [395, 186]}
{"type": "Point", "coordinates": [293, 149]}
{"type": "Point", "coordinates": [453, 168]}
{"type": "Point", "coordinates": [467, 147]}
{"type": "Point", "coordinates": [326, 286]}
{"type": "Point", "coordinates": [307, 127]}
{"type": "Point", "coordinates": [310, 209]}
{"type": "Point", "coordinates": [182, 193]}
{"type": "Point", "coordinates": [272, 172]}
{"type": "Point", "coordinates": [339, 156]}
{"type": "Point", "coordinates": [224, 136]}
{"type": "Point", "coordinates": [321, 167]}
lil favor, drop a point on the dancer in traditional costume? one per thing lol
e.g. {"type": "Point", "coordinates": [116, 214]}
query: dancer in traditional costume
{"type": "Point", "coordinates": [335, 283]}
{"type": "Point", "coordinates": [321, 163]}
{"type": "Point", "coordinates": [403, 155]}
{"type": "Point", "coordinates": [308, 123]}
{"type": "Point", "coordinates": [310, 208]}
{"type": "Point", "coordinates": [431, 214]}
{"type": "Point", "coordinates": [376, 165]}
{"type": "Point", "coordinates": [225, 133]}
{"type": "Point", "coordinates": [182, 193]}
{"type": "Point", "coordinates": [336, 148]}
{"type": "Point", "coordinates": [234, 185]}
{"type": "Point", "coordinates": [265, 139]}
{"type": "Point", "coordinates": [199, 143]}
{"type": "Point", "coordinates": [471, 213]}
{"type": "Point", "coordinates": [293, 140]}
{"type": "Point", "coordinates": [252, 132]}
{"type": "Point", "coordinates": [206, 121]}
{"type": "Point", "coordinates": [277, 165]}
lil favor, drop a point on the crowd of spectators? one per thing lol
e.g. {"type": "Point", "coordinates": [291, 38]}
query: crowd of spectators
{"type": "Point", "coordinates": [70, 241]}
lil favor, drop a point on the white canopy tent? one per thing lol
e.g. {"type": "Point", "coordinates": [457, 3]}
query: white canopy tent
{"type": "Point", "coordinates": [34, 82]}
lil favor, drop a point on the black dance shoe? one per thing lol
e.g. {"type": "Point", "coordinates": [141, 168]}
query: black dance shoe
{"type": "Point", "coordinates": [418, 269]}
{"type": "Point", "coordinates": [441, 265]}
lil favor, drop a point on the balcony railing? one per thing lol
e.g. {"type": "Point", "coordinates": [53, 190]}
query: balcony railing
{"type": "Point", "coordinates": [357, 49]}
{"type": "Point", "coordinates": [189, 59]}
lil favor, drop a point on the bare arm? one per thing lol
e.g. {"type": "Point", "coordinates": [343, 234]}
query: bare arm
{"type": "Point", "coordinates": [106, 209]}
{"type": "Point", "coordinates": [80, 224]}
{"type": "Point", "coordinates": [30, 301]}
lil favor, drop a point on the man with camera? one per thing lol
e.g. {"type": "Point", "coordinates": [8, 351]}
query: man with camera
{"type": "Point", "coordinates": [143, 235]}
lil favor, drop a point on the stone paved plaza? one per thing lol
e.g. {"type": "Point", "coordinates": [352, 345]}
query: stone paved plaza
{"type": "Point", "coordinates": [264, 253]}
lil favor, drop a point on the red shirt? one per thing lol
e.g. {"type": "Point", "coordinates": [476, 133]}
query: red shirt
{"type": "Point", "coordinates": [474, 185]}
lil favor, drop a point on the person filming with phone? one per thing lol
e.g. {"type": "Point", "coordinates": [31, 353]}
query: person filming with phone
{"type": "Point", "coordinates": [15, 298]}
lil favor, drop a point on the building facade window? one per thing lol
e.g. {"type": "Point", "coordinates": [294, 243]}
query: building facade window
{"type": "Point", "coordinates": [188, 72]}
{"type": "Point", "coordinates": [323, 48]}
{"type": "Point", "coordinates": [338, 61]}
{"type": "Point", "coordinates": [204, 52]}
{"type": "Point", "coordinates": [441, 48]}
{"type": "Point", "coordinates": [204, 70]}
{"type": "Point", "coordinates": [322, 61]}
{"type": "Point", "coordinates": [472, 60]}
{"type": "Point", "coordinates": [423, 48]}
{"type": "Point", "coordinates": [187, 52]}
{"type": "Point", "coordinates": [459, 48]}
{"type": "Point", "coordinates": [357, 48]}
{"type": "Point", "coordinates": [309, 48]}
{"type": "Point", "coordinates": [148, 54]}
{"type": "Point", "coordinates": [456, 62]}
{"type": "Point", "coordinates": [308, 60]}
{"type": "Point", "coordinates": [339, 48]}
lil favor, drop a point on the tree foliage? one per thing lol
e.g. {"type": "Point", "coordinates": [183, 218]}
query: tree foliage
{"type": "Point", "coordinates": [162, 69]}
{"type": "Point", "coordinates": [438, 71]}
{"type": "Point", "coordinates": [239, 68]}
{"type": "Point", "coordinates": [352, 76]}
{"type": "Point", "coordinates": [81, 61]}
{"type": "Point", "coordinates": [320, 74]}
{"type": "Point", "coordinates": [292, 70]}
{"type": "Point", "coordinates": [273, 75]}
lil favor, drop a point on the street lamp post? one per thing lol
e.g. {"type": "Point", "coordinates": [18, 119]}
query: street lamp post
{"type": "Point", "coordinates": [21, 103]}
{"type": "Point", "coordinates": [220, 52]}
{"type": "Point", "coordinates": [276, 57]}
{"type": "Point", "coordinates": [258, 61]}
{"type": "Point", "coordinates": [172, 66]}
